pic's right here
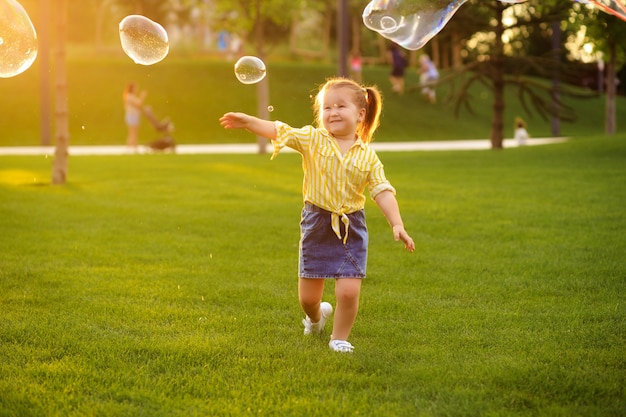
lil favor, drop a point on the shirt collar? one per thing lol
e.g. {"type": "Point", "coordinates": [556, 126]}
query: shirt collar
{"type": "Point", "coordinates": [358, 141]}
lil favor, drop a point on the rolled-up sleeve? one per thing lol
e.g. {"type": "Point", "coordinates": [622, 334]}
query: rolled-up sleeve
{"type": "Point", "coordinates": [290, 137]}
{"type": "Point", "coordinates": [377, 180]}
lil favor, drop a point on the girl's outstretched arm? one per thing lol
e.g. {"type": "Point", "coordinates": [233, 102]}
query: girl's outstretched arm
{"type": "Point", "coordinates": [389, 206]}
{"type": "Point", "coordinates": [255, 125]}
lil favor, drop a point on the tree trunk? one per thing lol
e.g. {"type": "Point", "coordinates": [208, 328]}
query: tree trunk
{"type": "Point", "coordinates": [44, 72]}
{"type": "Point", "coordinates": [59, 167]}
{"type": "Point", "coordinates": [435, 52]}
{"type": "Point", "coordinates": [497, 124]}
{"type": "Point", "coordinates": [356, 35]}
{"type": "Point", "coordinates": [611, 90]}
{"type": "Point", "coordinates": [556, 78]}
{"type": "Point", "coordinates": [343, 42]}
{"type": "Point", "coordinates": [456, 50]}
{"type": "Point", "coordinates": [99, 26]}
{"type": "Point", "coordinates": [328, 27]}
{"type": "Point", "coordinates": [263, 89]}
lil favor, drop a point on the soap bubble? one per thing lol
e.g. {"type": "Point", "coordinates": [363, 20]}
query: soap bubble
{"type": "Point", "coordinates": [18, 39]}
{"type": "Point", "coordinates": [412, 23]}
{"type": "Point", "coordinates": [270, 108]}
{"type": "Point", "coordinates": [143, 40]}
{"type": "Point", "coordinates": [409, 23]}
{"type": "Point", "coordinates": [249, 69]}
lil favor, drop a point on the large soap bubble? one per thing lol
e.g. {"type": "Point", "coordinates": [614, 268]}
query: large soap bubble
{"type": "Point", "coordinates": [143, 40]}
{"type": "Point", "coordinates": [18, 39]}
{"type": "Point", "coordinates": [412, 23]}
{"type": "Point", "coordinates": [409, 23]}
{"type": "Point", "coordinates": [250, 69]}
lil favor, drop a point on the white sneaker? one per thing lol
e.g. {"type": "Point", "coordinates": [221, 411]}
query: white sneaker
{"type": "Point", "coordinates": [316, 328]}
{"type": "Point", "coordinates": [341, 346]}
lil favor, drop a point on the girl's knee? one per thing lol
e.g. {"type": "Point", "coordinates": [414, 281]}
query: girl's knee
{"type": "Point", "coordinates": [309, 300]}
{"type": "Point", "coordinates": [310, 290]}
{"type": "Point", "coordinates": [348, 291]}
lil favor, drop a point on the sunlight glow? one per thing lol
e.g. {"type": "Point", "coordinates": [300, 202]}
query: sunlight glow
{"type": "Point", "coordinates": [19, 177]}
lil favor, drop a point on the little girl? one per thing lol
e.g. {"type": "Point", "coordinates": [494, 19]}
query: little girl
{"type": "Point", "coordinates": [338, 164]}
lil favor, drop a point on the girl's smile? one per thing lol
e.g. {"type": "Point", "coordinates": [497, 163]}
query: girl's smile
{"type": "Point", "coordinates": [340, 115]}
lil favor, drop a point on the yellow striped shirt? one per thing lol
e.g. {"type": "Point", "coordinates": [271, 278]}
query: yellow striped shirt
{"type": "Point", "coordinates": [333, 181]}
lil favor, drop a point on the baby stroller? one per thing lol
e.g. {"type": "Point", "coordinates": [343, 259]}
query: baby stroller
{"type": "Point", "coordinates": [164, 128]}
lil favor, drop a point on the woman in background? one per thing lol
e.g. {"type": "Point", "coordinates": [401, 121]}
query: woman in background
{"type": "Point", "coordinates": [133, 104]}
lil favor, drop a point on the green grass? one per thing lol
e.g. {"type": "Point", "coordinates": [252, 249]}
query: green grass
{"type": "Point", "coordinates": [165, 285]}
{"type": "Point", "coordinates": [196, 92]}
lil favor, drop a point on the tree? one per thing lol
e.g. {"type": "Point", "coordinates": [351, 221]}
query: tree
{"type": "Point", "coordinates": [312, 23]}
{"type": "Point", "coordinates": [496, 67]}
{"type": "Point", "coordinates": [608, 34]}
{"type": "Point", "coordinates": [244, 16]}
{"type": "Point", "coordinates": [59, 166]}
{"type": "Point", "coordinates": [44, 72]}
{"type": "Point", "coordinates": [261, 22]}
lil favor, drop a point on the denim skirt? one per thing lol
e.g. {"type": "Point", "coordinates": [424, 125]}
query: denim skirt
{"type": "Point", "coordinates": [323, 254]}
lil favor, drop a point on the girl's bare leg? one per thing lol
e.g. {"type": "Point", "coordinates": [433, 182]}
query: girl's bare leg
{"type": "Point", "coordinates": [310, 292]}
{"type": "Point", "coordinates": [347, 292]}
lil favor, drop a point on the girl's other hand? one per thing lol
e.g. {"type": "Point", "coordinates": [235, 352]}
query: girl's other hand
{"type": "Point", "coordinates": [400, 234]}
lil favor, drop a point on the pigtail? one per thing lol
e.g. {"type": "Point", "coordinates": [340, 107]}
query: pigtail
{"type": "Point", "coordinates": [373, 110]}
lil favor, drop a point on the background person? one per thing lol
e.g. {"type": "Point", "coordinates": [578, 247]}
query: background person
{"type": "Point", "coordinates": [356, 67]}
{"type": "Point", "coordinates": [521, 134]}
{"type": "Point", "coordinates": [133, 103]}
{"type": "Point", "coordinates": [398, 67]}
{"type": "Point", "coordinates": [428, 77]}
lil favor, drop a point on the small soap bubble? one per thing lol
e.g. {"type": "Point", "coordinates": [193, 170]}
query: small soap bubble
{"type": "Point", "coordinates": [270, 108]}
{"type": "Point", "coordinates": [18, 39]}
{"type": "Point", "coordinates": [250, 70]}
{"type": "Point", "coordinates": [143, 40]}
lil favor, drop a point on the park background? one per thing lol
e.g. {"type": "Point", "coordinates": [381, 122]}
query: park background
{"type": "Point", "coordinates": [164, 284]}
{"type": "Point", "coordinates": [299, 44]}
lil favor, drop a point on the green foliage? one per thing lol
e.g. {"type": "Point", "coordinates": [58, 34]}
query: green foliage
{"type": "Point", "coordinates": [165, 285]}
{"type": "Point", "coordinates": [602, 29]}
{"type": "Point", "coordinates": [244, 16]}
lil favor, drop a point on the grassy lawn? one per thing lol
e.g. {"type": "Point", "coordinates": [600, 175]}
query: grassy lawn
{"type": "Point", "coordinates": [196, 92]}
{"type": "Point", "coordinates": [165, 285]}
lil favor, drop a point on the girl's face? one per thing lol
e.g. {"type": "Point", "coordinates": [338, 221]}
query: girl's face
{"type": "Point", "coordinates": [340, 115]}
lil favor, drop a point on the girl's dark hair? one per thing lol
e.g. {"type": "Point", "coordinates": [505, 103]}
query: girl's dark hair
{"type": "Point", "coordinates": [367, 98]}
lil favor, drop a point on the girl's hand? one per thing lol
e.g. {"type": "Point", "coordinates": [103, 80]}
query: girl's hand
{"type": "Point", "coordinates": [253, 124]}
{"type": "Point", "coordinates": [235, 120]}
{"type": "Point", "coordinates": [400, 234]}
